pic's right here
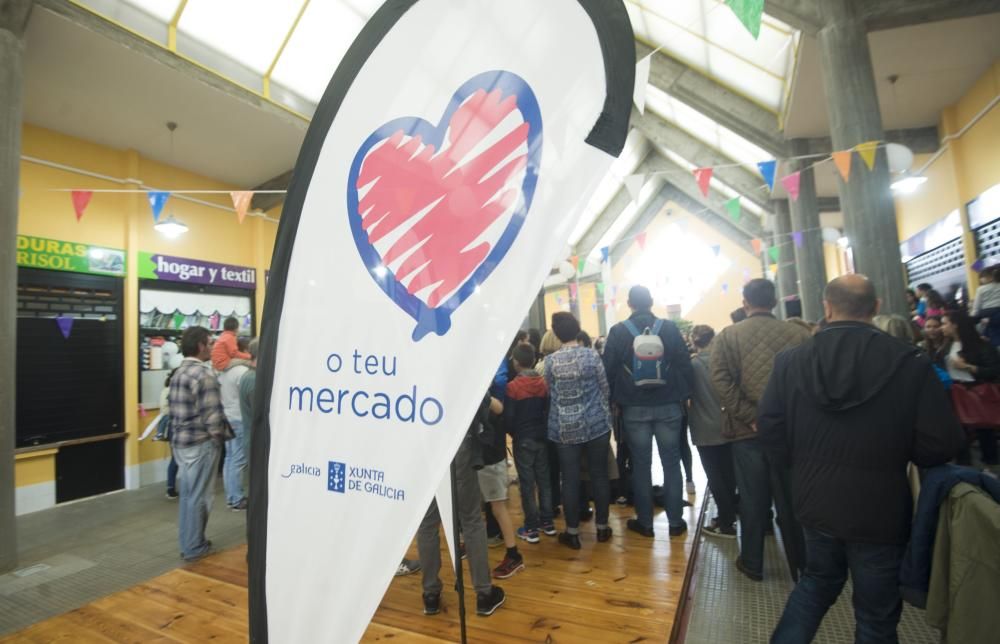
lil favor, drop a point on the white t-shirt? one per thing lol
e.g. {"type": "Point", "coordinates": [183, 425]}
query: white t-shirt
{"type": "Point", "coordinates": [958, 375]}
{"type": "Point", "coordinates": [229, 389]}
{"type": "Point", "coordinates": [987, 297]}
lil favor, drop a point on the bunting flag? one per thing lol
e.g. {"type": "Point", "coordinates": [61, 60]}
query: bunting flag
{"type": "Point", "coordinates": [641, 81]}
{"type": "Point", "coordinates": [797, 238]}
{"type": "Point", "coordinates": [572, 290]}
{"type": "Point", "coordinates": [733, 207]}
{"type": "Point", "coordinates": [773, 268]}
{"type": "Point", "coordinates": [581, 265]}
{"type": "Point", "coordinates": [634, 183]}
{"type": "Point", "coordinates": [605, 253]}
{"type": "Point", "coordinates": [756, 246]}
{"type": "Point", "coordinates": [574, 260]}
{"type": "Point", "coordinates": [978, 265]}
{"type": "Point", "coordinates": [767, 169]}
{"type": "Point", "coordinates": [774, 252]}
{"type": "Point", "coordinates": [843, 162]}
{"type": "Point", "coordinates": [725, 288]}
{"type": "Point", "coordinates": [600, 289]}
{"type": "Point", "coordinates": [241, 202]}
{"type": "Point", "coordinates": [867, 151]}
{"type": "Point", "coordinates": [716, 250]}
{"type": "Point", "coordinates": [81, 198]}
{"type": "Point", "coordinates": [593, 307]}
{"type": "Point", "coordinates": [641, 239]}
{"type": "Point", "coordinates": [65, 326]}
{"type": "Point", "coordinates": [704, 178]}
{"type": "Point", "coordinates": [157, 199]}
{"type": "Point", "coordinates": [791, 183]}
{"type": "Point", "coordinates": [749, 13]}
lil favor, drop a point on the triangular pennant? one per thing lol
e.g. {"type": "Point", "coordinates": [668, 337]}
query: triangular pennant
{"type": "Point", "coordinates": [634, 183]}
{"type": "Point", "coordinates": [559, 300]}
{"type": "Point", "coordinates": [842, 160]}
{"type": "Point", "coordinates": [572, 290]}
{"type": "Point", "coordinates": [773, 268]}
{"type": "Point", "coordinates": [756, 246]}
{"type": "Point", "coordinates": [641, 240]}
{"type": "Point", "coordinates": [749, 12]}
{"type": "Point", "coordinates": [574, 260]}
{"type": "Point", "coordinates": [65, 326]}
{"type": "Point", "coordinates": [593, 306]}
{"type": "Point", "coordinates": [157, 199]}
{"type": "Point", "coordinates": [797, 238]}
{"type": "Point", "coordinates": [241, 202]}
{"type": "Point", "coordinates": [581, 265]}
{"type": "Point", "coordinates": [791, 183]}
{"type": "Point", "coordinates": [716, 250]}
{"type": "Point", "coordinates": [733, 207]}
{"type": "Point", "coordinates": [725, 287]}
{"type": "Point", "coordinates": [80, 200]}
{"type": "Point", "coordinates": [774, 252]}
{"type": "Point", "coordinates": [978, 265]}
{"type": "Point", "coordinates": [600, 289]}
{"type": "Point", "coordinates": [641, 81]}
{"type": "Point", "coordinates": [704, 178]}
{"type": "Point", "coordinates": [767, 169]}
{"type": "Point", "coordinates": [867, 151]}
{"type": "Point", "coordinates": [605, 252]}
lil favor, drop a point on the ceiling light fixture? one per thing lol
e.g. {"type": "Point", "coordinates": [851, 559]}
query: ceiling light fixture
{"type": "Point", "coordinates": [908, 184]}
{"type": "Point", "coordinates": [170, 227]}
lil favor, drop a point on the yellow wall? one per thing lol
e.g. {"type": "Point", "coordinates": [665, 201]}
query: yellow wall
{"type": "Point", "coordinates": [125, 221]}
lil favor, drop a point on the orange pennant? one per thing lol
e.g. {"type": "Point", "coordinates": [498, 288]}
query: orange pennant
{"type": "Point", "coordinates": [241, 202]}
{"type": "Point", "coordinates": [756, 246]}
{"type": "Point", "coordinates": [867, 151]}
{"type": "Point", "coordinates": [843, 161]}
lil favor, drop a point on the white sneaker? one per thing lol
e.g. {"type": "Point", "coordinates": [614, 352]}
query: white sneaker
{"type": "Point", "coordinates": [691, 488]}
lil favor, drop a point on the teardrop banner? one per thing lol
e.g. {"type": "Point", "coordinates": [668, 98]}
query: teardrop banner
{"type": "Point", "coordinates": [445, 167]}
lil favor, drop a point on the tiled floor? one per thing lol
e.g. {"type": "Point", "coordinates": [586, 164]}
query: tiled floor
{"type": "Point", "coordinates": [728, 608]}
{"type": "Point", "coordinates": [75, 553]}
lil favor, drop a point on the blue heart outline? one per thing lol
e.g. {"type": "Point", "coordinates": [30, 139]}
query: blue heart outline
{"type": "Point", "coordinates": [438, 319]}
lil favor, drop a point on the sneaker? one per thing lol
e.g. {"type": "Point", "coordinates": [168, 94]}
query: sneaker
{"type": "Point", "coordinates": [239, 507]}
{"type": "Point", "coordinates": [621, 501]}
{"type": "Point", "coordinates": [570, 540]}
{"type": "Point", "coordinates": [432, 603]}
{"type": "Point", "coordinates": [676, 531]}
{"type": "Point", "coordinates": [531, 536]}
{"type": "Point", "coordinates": [494, 542]}
{"type": "Point", "coordinates": [172, 494]}
{"type": "Point", "coordinates": [753, 576]}
{"type": "Point", "coordinates": [685, 503]}
{"type": "Point", "coordinates": [549, 529]}
{"type": "Point", "coordinates": [635, 526]}
{"type": "Point", "coordinates": [604, 534]}
{"type": "Point", "coordinates": [509, 567]}
{"type": "Point", "coordinates": [487, 603]}
{"type": "Point", "coordinates": [407, 567]}
{"type": "Point", "coordinates": [691, 489]}
{"type": "Point", "coordinates": [724, 531]}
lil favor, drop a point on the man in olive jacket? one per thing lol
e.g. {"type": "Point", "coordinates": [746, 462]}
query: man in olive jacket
{"type": "Point", "coordinates": [742, 358]}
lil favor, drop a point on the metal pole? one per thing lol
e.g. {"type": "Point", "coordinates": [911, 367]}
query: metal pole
{"type": "Point", "coordinates": [457, 531]}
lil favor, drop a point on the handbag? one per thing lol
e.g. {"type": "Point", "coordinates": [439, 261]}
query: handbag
{"type": "Point", "coordinates": [977, 405]}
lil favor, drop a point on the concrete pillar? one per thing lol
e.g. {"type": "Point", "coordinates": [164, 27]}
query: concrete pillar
{"type": "Point", "coordinates": [869, 213]}
{"type": "Point", "coordinates": [13, 19]}
{"type": "Point", "coordinates": [788, 282]}
{"type": "Point", "coordinates": [536, 314]}
{"type": "Point", "coordinates": [809, 260]}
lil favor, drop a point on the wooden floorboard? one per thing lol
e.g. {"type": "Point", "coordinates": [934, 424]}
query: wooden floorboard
{"type": "Point", "coordinates": [626, 590]}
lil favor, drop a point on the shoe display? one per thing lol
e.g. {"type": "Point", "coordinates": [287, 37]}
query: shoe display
{"type": "Point", "coordinates": [753, 576]}
{"type": "Point", "coordinates": [509, 567]}
{"type": "Point", "coordinates": [603, 534]}
{"type": "Point", "coordinates": [488, 602]}
{"type": "Point", "coordinates": [676, 531]}
{"type": "Point", "coordinates": [531, 536]}
{"type": "Point", "coordinates": [432, 603]}
{"type": "Point", "coordinates": [407, 567]}
{"type": "Point", "coordinates": [691, 489]}
{"type": "Point", "coordinates": [635, 526]}
{"type": "Point", "coordinates": [549, 529]}
{"type": "Point", "coordinates": [724, 532]}
{"type": "Point", "coordinates": [570, 540]}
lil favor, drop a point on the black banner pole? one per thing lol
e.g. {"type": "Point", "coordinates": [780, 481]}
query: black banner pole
{"type": "Point", "coordinates": [457, 555]}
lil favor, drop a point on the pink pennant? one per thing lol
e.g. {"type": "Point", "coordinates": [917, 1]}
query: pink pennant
{"type": "Point", "coordinates": [641, 240]}
{"type": "Point", "coordinates": [241, 202]}
{"type": "Point", "coordinates": [572, 290]}
{"type": "Point", "coordinates": [81, 198]}
{"type": "Point", "coordinates": [791, 183]}
{"type": "Point", "coordinates": [704, 177]}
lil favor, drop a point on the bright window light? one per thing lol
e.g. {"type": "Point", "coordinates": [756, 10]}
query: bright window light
{"type": "Point", "coordinates": [162, 9]}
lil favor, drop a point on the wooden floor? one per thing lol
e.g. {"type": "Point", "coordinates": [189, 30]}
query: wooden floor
{"type": "Point", "coordinates": [626, 590]}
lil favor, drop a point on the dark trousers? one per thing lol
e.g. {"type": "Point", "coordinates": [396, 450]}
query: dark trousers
{"type": "Point", "coordinates": [555, 477]}
{"type": "Point", "coordinates": [531, 459]}
{"type": "Point", "coordinates": [718, 463]}
{"type": "Point", "coordinates": [875, 575]}
{"type": "Point", "coordinates": [987, 447]}
{"type": "Point", "coordinates": [172, 473]}
{"type": "Point", "coordinates": [596, 452]}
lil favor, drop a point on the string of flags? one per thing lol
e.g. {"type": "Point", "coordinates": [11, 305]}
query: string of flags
{"type": "Point", "coordinates": [157, 199]}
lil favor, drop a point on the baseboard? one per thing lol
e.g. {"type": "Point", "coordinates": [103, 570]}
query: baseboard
{"type": "Point", "coordinates": [152, 472]}
{"type": "Point", "coordinates": [32, 498]}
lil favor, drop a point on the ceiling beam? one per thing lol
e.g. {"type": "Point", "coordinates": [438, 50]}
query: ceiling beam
{"type": "Point", "coordinates": [891, 14]}
{"type": "Point", "coordinates": [798, 14]}
{"type": "Point", "coordinates": [696, 90]}
{"type": "Point", "coordinates": [694, 151]}
{"type": "Point", "coordinates": [265, 202]}
{"type": "Point", "coordinates": [14, 15]}
{"type": "Point", "coordinates": [614, 209]}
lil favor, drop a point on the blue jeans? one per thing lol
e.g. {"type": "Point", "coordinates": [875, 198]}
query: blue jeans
{"type": "Point", "coordinates": [197, 466]}
{"type": "Point", "coordinates": [875, 575]}
{"type": "Point", "coordinates": [641, 425]}
{"type": "Point", "coordinates": [531, 458]}
{"type": "Point", "coordinates": [235, 466]}
{"type": "Point", "coordinates": [570, 458]}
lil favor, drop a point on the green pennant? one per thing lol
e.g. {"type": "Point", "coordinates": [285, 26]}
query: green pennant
{"type": "Point", "coordinates": [600, 289]}
{"type": "Point", "coordinates": [178, 319]}
{"type": "Point", "coordinates": [749, 12]}
{"type": "Point", "coordinates": [580, 265]}
{"type": "Point", "coordinates": [733, 207]}
{"type": "Point", "coordinates": [775, 253]}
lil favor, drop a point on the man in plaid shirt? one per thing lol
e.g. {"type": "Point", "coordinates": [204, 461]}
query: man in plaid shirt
{"type": "Point", "coordinates": [198, 429]}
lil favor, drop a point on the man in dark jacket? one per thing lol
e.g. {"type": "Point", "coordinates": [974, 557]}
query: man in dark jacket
{"type": "Point", "coordinates": [848, 409]}
{"type": "Point", "coordinates": [651, 411]}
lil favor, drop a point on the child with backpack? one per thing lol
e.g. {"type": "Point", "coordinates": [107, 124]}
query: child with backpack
{"type": "Point", "coordinates": [526, 418]}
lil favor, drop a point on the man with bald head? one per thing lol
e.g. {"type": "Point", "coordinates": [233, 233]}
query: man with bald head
{"type": "Point", "coordinates": [847, 410]}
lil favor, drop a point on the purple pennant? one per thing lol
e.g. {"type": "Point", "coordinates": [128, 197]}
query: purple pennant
{"type": "Point", "coordinates": [797, 238]}
{"type": "Point", "coordinates": [725, 288]}
{"type": "Point", "coordinates": [65, 326]}
{"type": "Point", "coordinates": [978, 265]}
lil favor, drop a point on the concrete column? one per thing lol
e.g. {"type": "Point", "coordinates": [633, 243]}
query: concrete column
{"type": "Point", "coordinates": [788, 282]}
{"type": "Point", "coordinates": [869, 213]}
{"type": "Point", "coordinates": [809, 258]}
{"type": "Point", "coordinates": [536, 314]}
{"type": "Point", "coordinates": [13, 18]}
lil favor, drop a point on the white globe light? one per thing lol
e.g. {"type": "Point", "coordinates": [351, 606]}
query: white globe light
{"type": "Point", "coordinates": [831, 235]}
{"type": "Point", "coordinates": [900, 157]}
